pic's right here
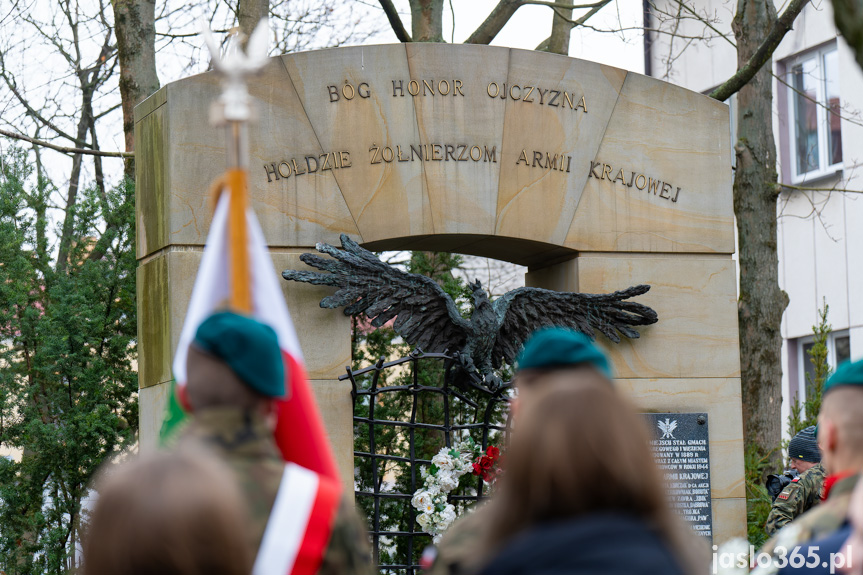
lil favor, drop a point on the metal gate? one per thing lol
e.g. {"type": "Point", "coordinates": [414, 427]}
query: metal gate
{"type": "Point", "coordinates": [404, 411]}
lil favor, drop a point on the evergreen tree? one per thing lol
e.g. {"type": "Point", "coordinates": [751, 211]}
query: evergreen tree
{"type": "Point", "coordinates": [67, 349]}
{"type": "Point", "coordinates": [802, 416]}
{"type": "Point", "coordinates": [805, 414]}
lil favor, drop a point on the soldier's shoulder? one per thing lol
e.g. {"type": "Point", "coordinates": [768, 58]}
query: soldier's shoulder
{"type": "Point", "coordinates": [822, 519]}
{"type": "Point", "coordinates": [812, 479]}
{"type": "Point", "coordinates": [348, 551]}
{"type": "Point", "coordinates": [466, 530]}
{"type": "Point", "coordinates": [192, 435]}
{"type": "Point", "coordinates": [815, 473]}
{"type": "Point", "coordinates": [350, 524]}
{"type": "Point", "coordinates": [787, 493]}
{"type": "Point", "coordinates": [784, 539]}
{"type": "Point", "coordinates": [460, 549]}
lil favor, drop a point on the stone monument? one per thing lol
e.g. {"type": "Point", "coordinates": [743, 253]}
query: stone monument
{"type": "Point", "coordinates": [591, 176]}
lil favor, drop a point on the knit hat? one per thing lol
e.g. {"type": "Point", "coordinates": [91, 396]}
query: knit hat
{"type": "Point", "coordinates": [249, 347]}
{"type": "Point", "coordinates": [849, 373]}
{"type": "Point", "coordinates": [560, 347]}
{"type": "Point", "coordinates": [804, 446]}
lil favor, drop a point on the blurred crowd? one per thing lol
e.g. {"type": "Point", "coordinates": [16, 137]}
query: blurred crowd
{"type": "Point", "coordinates": [580, 492]}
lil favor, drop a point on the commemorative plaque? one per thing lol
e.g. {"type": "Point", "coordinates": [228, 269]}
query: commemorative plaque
{"type": "Point", "coordinates": [681, 449]}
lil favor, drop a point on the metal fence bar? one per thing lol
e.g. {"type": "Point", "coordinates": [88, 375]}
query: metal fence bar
{"type": "Point", "coordinates": [453, 423]}
{"type": "Point", "coordinates": [375, 481]}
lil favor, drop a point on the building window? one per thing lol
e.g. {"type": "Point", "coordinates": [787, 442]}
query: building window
{"type": "Point", "coordinates": [838, 351]}
{"type": "Point", "coordinates": [816, 133]}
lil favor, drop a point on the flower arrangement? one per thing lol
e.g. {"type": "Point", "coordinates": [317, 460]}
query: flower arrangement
{"type": "Point", "coordinates": [436, 514]}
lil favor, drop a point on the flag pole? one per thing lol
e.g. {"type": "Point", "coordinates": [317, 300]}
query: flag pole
{"type": "Point", "coordinates": [300, 433]}
{"type": "Point", "coordinates": [236, 182]}
{"type": "Point", "coordinates": [232, 110]}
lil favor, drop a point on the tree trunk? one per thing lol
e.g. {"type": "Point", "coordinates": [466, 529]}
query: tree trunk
{"type": "Point", "coordinates": [427, 20]}
{"type": "Point", "coordinates": [755, 193]}
{"type": "Point", "coordinates": [561, 30]}
{"type": "Point", "coordinates": [71, 200]}
{"type": "Point", "coordinates": [848, 15]}
{"type": "Point", "coordinates": [135, 28]}
{"type": "Point", "coordinates": [249, 13]}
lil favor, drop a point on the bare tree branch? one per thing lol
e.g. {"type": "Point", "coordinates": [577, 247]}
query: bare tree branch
{"type": "Point", "coordinates": [64, 149]}
{"type": "Point", "coordinates": [562, 6]}
{"type": "Point", "coordinates": [543, 46]}
{"type": "Point", "coordinates": [10, 83]}
{"type": "Point", "coordinates": [563, 11]}
{"type": "Point", "coordinates": [189, 34]}
{"type": "Point", "coordinates": [806, 96]}
{"type": "Point", "coordinates": [762, 55]}
{"type": "Point", "coordinates": [706, 22]}
{"type": "Point", "coordinates": [395, 21]}
{"type": "Point", "coordinates": [494, 22]}
{"type": "Point", "coordinates": [807, 189]}
{"type": "Point", "coordinates": [561, 30]}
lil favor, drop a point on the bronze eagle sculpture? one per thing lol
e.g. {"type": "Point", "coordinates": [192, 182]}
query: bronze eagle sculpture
{"type": "Point", "coordinates": [425, 316]}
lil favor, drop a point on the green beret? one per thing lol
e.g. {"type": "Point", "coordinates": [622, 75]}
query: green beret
{"type": "Point", "coordinates": [250, 348]}
{"type": "Point", "coordinates": [849, 373]}
{"type": "Point", "coordinates": [560, 347]}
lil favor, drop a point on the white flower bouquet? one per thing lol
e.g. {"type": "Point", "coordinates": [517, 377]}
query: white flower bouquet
{"type": "Point", "coordinates": [447, 468]}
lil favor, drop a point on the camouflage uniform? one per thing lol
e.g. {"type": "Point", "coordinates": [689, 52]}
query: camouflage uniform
{"type": "Point", "coordinates": [460, 550]}
{"type": "Point", "coordinates": [803, 493]}
{"type": "Point", "coordinates": [246, 444]}
{"type": "Point", "coordinates": [815, 524]}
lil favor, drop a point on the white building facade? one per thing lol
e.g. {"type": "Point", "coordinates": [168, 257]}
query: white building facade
{"type": "Point", "coordinates": [818, 127]}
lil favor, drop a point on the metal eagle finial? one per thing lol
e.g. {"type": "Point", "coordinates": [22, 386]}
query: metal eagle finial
{"type": "Point", "coordinates": [235, 67]}
{"type": "Point", "coordinates": [427, 317]}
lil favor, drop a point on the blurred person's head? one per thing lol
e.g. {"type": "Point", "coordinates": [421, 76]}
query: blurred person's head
{"type": "Point", "coordinates": [853, 547]}
{"type": "Point", "coordinates": [177, 513]}
{"type": "Point", "coordinates": [840, 422]}
{"type": "Point", "coordinates": [803, 450]}
{"type": "Point", "coordinates": [583, 450]}
{"type": "Point", "coordinates": [234, 361]}
{"type": "Point", "coordinates": [560, 356]}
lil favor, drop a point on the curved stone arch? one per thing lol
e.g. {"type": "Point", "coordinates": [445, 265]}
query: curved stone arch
{"type": "Point", "coordinates": [594, 177]}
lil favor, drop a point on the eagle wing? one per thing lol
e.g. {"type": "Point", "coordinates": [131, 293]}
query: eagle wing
{"type": "Point", "coordinates": [524, 310]}
{"type": "Point", "coordinates": [425, 315]}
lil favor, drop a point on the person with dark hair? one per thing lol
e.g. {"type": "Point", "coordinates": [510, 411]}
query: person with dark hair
{"type": "Point", "coordinates": [235, 374]}
{"type": "Point", "coordinates": [175, 513]}
{"type": "Point", "coordinates": [552, 359]}
{"type": "Point", "coordinates": [583, 494]}
{"type": "Point", "coordinates": [804, 491]}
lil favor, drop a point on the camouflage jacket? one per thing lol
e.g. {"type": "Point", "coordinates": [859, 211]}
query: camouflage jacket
{"type": "Point", "coordinates": [459, 551]}
{"type": "Point", "coordinates": [245, 443]}
{"type": "Point", "coordinates": [818, 522]}
{"type": "Point", "coordinates": [798, 497]}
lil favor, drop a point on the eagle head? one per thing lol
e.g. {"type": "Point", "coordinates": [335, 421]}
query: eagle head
{"type": "Point", "coordinates": [479, 295]}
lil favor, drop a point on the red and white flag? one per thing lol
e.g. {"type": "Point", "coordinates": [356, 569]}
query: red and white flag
{"type": "Point", "coordinates": [302, 518]}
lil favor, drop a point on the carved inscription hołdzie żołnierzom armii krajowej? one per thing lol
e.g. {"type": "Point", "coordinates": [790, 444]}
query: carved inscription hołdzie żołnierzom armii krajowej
{"type": "Point", "coordinates": [550, 161]}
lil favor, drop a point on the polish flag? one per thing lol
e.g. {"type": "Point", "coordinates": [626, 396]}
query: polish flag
{"type": "Point", "coordinates": [301, 521]}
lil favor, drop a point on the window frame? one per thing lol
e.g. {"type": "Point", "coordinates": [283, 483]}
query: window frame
{"type": "Point", "coordinates": [821, 109]}
{"type": "Point", "coordinates": [802, 358]}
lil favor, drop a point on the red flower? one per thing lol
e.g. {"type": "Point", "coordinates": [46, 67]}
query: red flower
{"type": "Point", "coordinates": [484, 466]}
